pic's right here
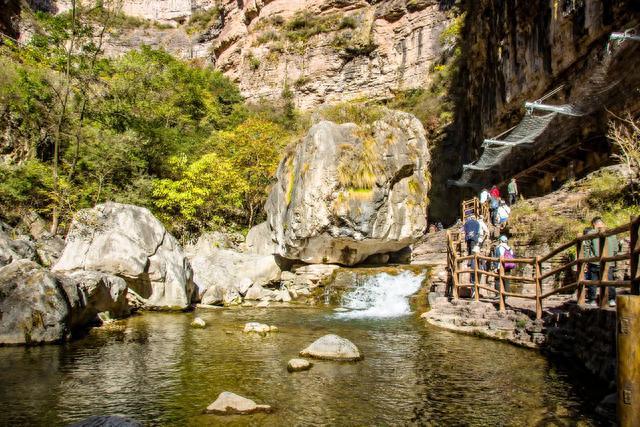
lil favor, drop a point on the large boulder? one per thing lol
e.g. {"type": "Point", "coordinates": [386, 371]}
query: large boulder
{"type": "Point", "coordinates": [222, 275]}
{"type": "Point", "coordinates": [129, 242]}
{"type": "Point", "coordinates": [332, 347]}
{"type": "Point", "coordinates": [33, 305]}
{"type": "Point", "coordinates": [346, 192]}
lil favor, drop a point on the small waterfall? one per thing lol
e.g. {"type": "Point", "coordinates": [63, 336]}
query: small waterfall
{"type": "Point", "coordinates": [382, 295]}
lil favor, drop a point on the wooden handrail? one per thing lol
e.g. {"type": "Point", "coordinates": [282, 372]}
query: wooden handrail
{"type": "Point", "coordinates": [604, 260]}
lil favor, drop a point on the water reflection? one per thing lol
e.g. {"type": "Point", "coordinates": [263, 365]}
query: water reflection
{"type": "Point", "coordinates": [157, 369]}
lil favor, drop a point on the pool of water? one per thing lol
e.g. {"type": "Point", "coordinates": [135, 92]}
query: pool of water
{"type": "Point", "coordinates": [157, 369]}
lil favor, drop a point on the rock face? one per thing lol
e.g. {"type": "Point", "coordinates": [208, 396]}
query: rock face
{"type": "Point", "coordinates": [259, 240]}
{"type": "Point", "coordinates": [348, 192]}
{"type": "Point", "coordinates": [92, 292]}
{"type": "Point", "coordinates": [229, 403]}
{"type": "Point", "coordinates": [33, 304]}
{"type": "Point", "coordinates": [129, 242]}
{"type": "Point", "coordinates": [225, 275]}
{"type": "Point", "coordinates": [13, 250]}
{"type": "Point", "coordinates": [350, 49]}
{"type": "Point", "coordinates": [332, 347]}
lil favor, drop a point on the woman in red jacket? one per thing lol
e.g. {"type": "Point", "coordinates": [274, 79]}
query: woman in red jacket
{"type": "Point", "coordinates": [494, 192]}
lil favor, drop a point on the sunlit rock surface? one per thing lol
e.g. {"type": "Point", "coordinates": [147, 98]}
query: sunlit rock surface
{"type": "Point", "coordinates": [129, 242]}
{"type": "Point", "coordinates": [346, 192]}
{"type": "Point", "coordinates": [332, 347]}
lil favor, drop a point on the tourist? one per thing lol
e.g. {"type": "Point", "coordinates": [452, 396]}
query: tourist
{"type": "Point", "coordinates": [472, 236]}
{"type": "Point", "coordinates": [503, 213]}
{"type": "Point", "coordinates": [512, 189]}
{"type": "Point", "coordinates": [484, 196]}
{"type": "Point", "coordinates": [494, 192]}
{"type": "Point", "coordinates": [439, 226]}
{"type": "Point", "coordinates": [504, 251]}
{"type": "Point", "coordinates": [494, 204]}
{"type": "Point", "coordinates": [484, 233]}
{"type": "Point", "coordinates": [591, 249]}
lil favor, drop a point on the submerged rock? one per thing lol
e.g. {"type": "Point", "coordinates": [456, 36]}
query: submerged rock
{"type": "Point", "coordinates": [256, 327]}
{"type": "Point", "coordinates": [128, 241]}
{"type": "Point", "coordinates": [348, 192]}
{"type": "Point", "coordinates": [332, 347]}
{"type": "Point", "coordinates": [229, 403]}
{"type": "Point", "coordinates": [33, 305]}
{"type": "Point", "coordinates": [198, 323]}
{"type": "Point", "coordinates": [106, 421]}
{"type": "Point", "coordinates": [296, 365]}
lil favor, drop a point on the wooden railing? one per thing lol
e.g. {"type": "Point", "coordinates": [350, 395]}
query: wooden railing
{"type": "Point", "coordinates": [456, 247]}
{"type": "Point", "coordinates": [474, 207]}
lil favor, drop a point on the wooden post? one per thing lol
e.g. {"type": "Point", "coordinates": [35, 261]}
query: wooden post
{"type": "Point", "coordinates": [455, 276]}
{"type": "Point", "coordinates": [634, 257]}
{"type": "Point", "coordinates": [501, 285]}
{"type": "Point", "coordinates": [604, 271]}
{"type": "Point", "coordinates": [475, 277]}
{"type": "Point", "coordinates": [538, 289]}
{"type": "Point", "coordinates": [628, 355]}
{"type": "Point", "coordinates": [580, 276]}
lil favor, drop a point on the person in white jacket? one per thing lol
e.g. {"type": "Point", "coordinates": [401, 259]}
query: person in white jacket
{"type": "Point", "coordinates": [503, 213]}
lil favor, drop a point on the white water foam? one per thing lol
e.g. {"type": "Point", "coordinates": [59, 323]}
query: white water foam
{"type": "Point", "coordinates": [382, 295]}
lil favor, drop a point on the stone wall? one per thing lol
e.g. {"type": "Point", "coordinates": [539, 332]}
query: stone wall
{"type": "Point", "coordinates": [585, 335]}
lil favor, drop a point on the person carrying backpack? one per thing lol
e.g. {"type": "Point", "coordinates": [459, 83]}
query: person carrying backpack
{"type": "Point", "coordinates": [472, 237]}
{"type": "Point", "coordinates": [503, 212]}
{"type": "Point", "coordinates": [504, 251]}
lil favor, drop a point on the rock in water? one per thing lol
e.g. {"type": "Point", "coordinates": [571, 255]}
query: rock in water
{"type": "Point", "coordinates": [229, 403]}
{"type": "Point", "coordinates": [348, 192]}
{"type": "Point", "coordinates": [296, 365]}
{"type": "Point", "coordinates": [129, 242]}
{"type": "Point", "coordinates": [106, 421]}
{"type": "Point", "coordinates": [223, 275]}
{"type": "Point", "coordinates": [332, 347]}
{"type": "Point", "coordinates": [33, 306]}
{"type": "Point", "coordinates": [259, 328]}
{"type": "Point", "coordinates": [92, 292]}
{"type": "Point", "coordinates": [198, 323]}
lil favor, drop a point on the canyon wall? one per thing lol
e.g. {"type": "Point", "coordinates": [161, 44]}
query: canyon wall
{"type": "Point", "coordinates": [322, 51]}
{"type": "Point", "coordinates": [515, 51]}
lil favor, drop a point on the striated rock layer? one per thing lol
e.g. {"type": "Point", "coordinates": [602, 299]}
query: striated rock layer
{"type": "Point", "coordinates": [335, 51]}
{"type": "Point", "coordinates": [346, 192]}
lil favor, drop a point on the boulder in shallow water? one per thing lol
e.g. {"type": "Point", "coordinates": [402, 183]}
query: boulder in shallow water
{"type": "Point", "coordinates": [228, 269]}
{"type": "Point", "coordinates": [347, 192]}
{"type": "Point", "coordinates": [229, 403]}
{"type": "Point", "coordinates": [332, 347]}
{"type": "Point", "coordinates": [256, 327]}
{"type": "Point", "coordinates": [198, 323]}
{"type": "Point", "coordinates": [106, 421]}
{"type": "Point", "coordinates": [297, 365]}
{"type": "Point", "coordinates": [33, 306]}
{"type": "Point", "coordinates": [92, 292]}
{"type": "Point", "coordinates": [129, 242]}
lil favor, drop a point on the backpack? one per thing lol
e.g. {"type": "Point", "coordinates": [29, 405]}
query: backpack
{"type": "Point", "coordinates": [508, 254]}
{"type": "Point", "coordinates": [471, 230]}
{"type": "Point", "coordinates": [495, 204]}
